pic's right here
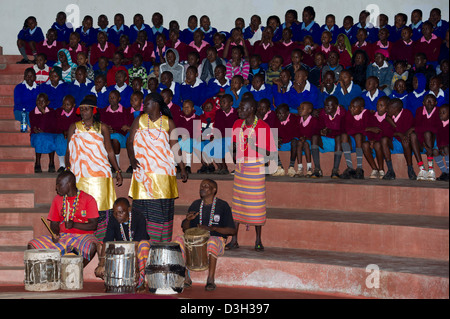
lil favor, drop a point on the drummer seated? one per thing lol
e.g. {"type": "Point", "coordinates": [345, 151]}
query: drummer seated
{"type": "Point", "coordinates": [126, 226]}
{"type": "Point", "coordinates": [73, 219]}
{"type": "Point", "coordinates": [214, 215]}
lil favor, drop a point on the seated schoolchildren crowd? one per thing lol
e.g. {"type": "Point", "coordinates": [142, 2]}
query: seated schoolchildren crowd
{"type": "Point", "coordinates": [373, 91]}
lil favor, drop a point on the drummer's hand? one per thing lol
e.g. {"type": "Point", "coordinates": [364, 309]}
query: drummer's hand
{"type": "Point", "coordinates": [100, 272]}
{"type": "Point", "coordinates": [69, 224]}
{"type": "Point", "coordinates": [191, 215]}
{"type": "Point", "coordinates": [56, 238]}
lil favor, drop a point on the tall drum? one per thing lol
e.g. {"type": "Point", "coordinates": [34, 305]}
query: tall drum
{"type": "Point", "coordinates": [71, 272]}
{"type": "Point", "coordinates": [165, 269]}
{"type": "Point", "coordinates": [196, 249]}
{"type": "Point", "coordinates": [42, 268]}
{"type": "Point", "coordinates": [120, 267]}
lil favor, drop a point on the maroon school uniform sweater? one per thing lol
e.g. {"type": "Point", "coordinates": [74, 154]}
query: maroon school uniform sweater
{"type": "Point", "coordinates": [357, 124]}
{"type": "Point", "coordinates": [187, 122]}
{"type": "Point", "coordinates": [309, 127]}
{"type": "Point", "coordinates": [289, 129]}
{"type": "Point", "coordinates": [387, 130]}
{"type": "Point", "coordinates": [45, 122]}
{"type": "Point", "coordinates": [424, 124]}
{"type": "Point", "coordinates": [403, 122]}
{"type": "Point", "coordinates": [176, 112]}
{"type": "Point", "coordinates": [116, 119]}
{"type": "Point", "coordinates": [265, 53]}
{"type": "Point", "coordinates": [223, 121]}
{"type": "Point", "coordinates": [442, 135]}
{"type": "Point", "coordinates": [271, 119]}
{"type": "Point", "coordinates": [431, 49]}
{"type": "Point", "coordinates": [63, 121]}
{"type": "Point", "coordinates": [402, 51]}
{"type": "Point", "coordinates": [335, 125]}
{"type": "Point", "coordinates": [285, 50]}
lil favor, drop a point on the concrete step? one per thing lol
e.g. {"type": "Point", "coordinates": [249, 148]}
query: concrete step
{"type": "Point", "coordinates": [14, 68]}
{"type": "Point", "coordinates": [12, 274]}
{"type": "Point", "coordinates": [12, 59]}
{"type": "Point", "coordinates": [364, 275]}
{"type": "Point", "coordinates": [16, 198]}
{"type": "Point", "coordinates": [10, 125]}
{"type": "Point", "coordinates": [6, 99]}
{"type": "Point", "coordinates": [7, 90]}
{"type": "Point", "coordinates": [389, 197]}
{"type": "Point", "coordinates": [11, 256]}
{"type": "Point", "coordinates": [12, 78]}
{"type": "Point", "coordinates": [7, 112]}
{"type": "Point", "coordinates": [16, 166]}
{"type": "Point", "coordinates": [14, 139]}
{"type": "Point", "coordinates": [17, 152]}
{"type": "Point", "coordinates": [15, 235]}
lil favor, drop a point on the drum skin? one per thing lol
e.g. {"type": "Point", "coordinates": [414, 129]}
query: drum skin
{"type": "Point", "coordinates": [196, 249]}
{"type": "Point", "coordinates": [120, 267]}
{"type": "Point", "coordinates": [71, 272]}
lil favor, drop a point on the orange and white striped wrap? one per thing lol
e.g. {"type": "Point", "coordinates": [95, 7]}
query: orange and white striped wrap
{"type": "Point", "coordinates": [90, 165]}
{"type": "Point", "coordinates": [156, 176]}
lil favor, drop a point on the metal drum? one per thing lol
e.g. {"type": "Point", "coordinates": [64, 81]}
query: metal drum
{"type": "Point", "coordinates": [120, 267]}
{"type": "Point", "coordinates": [196, 249]}
{"type": "Point", "coordinates": [42, 268]}
{"type": "Point", "coordinates": [165, 269]}
{"type": "Point", "coordinates": [71, 272]}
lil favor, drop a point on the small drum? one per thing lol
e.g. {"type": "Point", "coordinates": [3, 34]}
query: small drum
{"type": "Point", "coordinates": [165, 269]}
{"type": "Point", "coordinates": [42, 268]}
{"type": "Point", "coordinates": [71, 272]}
{"type": "Point", "coordinates": [196, 249]}
{"type": "Point", "coordinates": [120, 267]}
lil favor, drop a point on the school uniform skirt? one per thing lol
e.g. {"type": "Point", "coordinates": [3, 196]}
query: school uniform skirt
{"type": "Point", "coordinates": [249, 194]}
{"type": "Point", "coordinates": [158, 214]}
{"type": "Point", "coordinates": [43, 143]}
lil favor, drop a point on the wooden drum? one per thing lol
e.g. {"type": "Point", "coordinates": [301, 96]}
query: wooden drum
{"type": "Point", "coordinates": [196, 249]}
{"type": "Point", "coordinates": [71, 272]}
{"type": "Point", "coordinates": [42, 268]}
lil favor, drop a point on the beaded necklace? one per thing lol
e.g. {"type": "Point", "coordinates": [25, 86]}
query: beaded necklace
{"type": "Point", "coordinates": [211, 216]}
{"type": "Point", "coordinates": [243, 141]}
{"type": "Point", "coordinates": [160, 127]}
{"type": "Point", "coordinates": [85, 126]}
{"type": "Point", "coordinates": [69, 214]}
{"type": "Point", "coordinates": [122, 232]}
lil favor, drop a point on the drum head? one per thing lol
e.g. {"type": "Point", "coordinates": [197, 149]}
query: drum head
{"type": "Point", "coordinates": [196, 231]}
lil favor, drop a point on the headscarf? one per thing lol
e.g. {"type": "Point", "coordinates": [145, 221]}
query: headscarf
{"type": "Point", "coordinates": [348, 45]}
{"type": "Point", "coordinates": [58, 67]}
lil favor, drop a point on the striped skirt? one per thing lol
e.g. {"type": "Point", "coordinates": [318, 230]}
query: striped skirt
{"type": "Point", "coordinates": [249, 194]}
{"type": "Point", "coordinates": [158, 214]}
{"type": "Point", "coordinates": [80, 244]}
{"type": "Point", "coordinates": [102, 224]}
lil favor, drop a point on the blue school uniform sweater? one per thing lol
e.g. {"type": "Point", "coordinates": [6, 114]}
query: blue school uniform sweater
{"type": "Point", "coordinates": [176, 90]}
{"type": "Point", "coordinates": [25, 97]}
{"type": "Point", "coordinates": [114, 34]}
{"type": "Point", "coordinates": [280, 98]}
{"type": "Point", "coordinates": [154, 32]}
{"type": "Point", "coordinates": [324, 95]}
{"type": "Point", "coordinates": [89, 37]}
{"type": "Point", "coordinates": [371, 104]}
{"type": "Point", "coordinates": [63, 31]}
{"type": "Point", "coordinates": [195, 93]}
{"type": "Point", "coordinates": [313, 29]}
{"type": "Point", "coordinates": [335, 31]}
{"type": "Point", "coordinates": [241, 93]}
{"type": "Point", "coordinates": [345, 100]}
{"type": "Point", "coordinates": [264, 93]}
{"type": "Point", "coordinates": [187, 35]}
{"type": "Point", "coordinates": [80, 90]}
{"type": "Point", "coordinates": [310, 94]}
{"type": "Point", "coordinates": [125, 94]}
{"type": "Point", "coordinates": [55, 94]}
{"type": "Point", "coordinates": [27, 36]}
{"type": "Point", "coordinates": [102, 97]}
{"type": "Point", "coordinates": [214, 87]}
{"type": "Point", "coordinates": [351, 33]}
{"type": "Point", "coordinates": [134, 31]}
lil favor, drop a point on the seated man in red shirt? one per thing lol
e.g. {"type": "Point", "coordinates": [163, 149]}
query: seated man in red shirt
{"type": "Point", "coordinates": [73, 220]}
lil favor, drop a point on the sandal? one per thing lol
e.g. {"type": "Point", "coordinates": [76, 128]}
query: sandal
{"type": "Point", "coordinates": [210, 287]}
{"type": "Point", "coordinates": [259, 247]}
{"type": "Point", "coordinates": [37, 169]}
{"type": "Point", "coordinates": [231, 246]}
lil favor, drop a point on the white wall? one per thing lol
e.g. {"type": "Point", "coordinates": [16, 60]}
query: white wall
{"type": "Point", "coordinates": [221, 12]}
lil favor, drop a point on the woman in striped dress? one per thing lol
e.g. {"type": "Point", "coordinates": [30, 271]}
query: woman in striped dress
{"type": "Point", "coordinates": [154, 185]}
{"type": "Point", "coordinates": [252, 142]}
{"type": "Point", "coordinates": [90, 156]}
